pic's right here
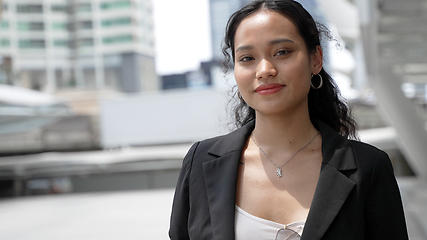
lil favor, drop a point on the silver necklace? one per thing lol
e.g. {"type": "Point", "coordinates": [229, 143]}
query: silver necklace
{"type": "Point", "coordinates": [279, 168]}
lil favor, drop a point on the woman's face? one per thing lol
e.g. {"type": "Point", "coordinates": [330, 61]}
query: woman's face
{"type": "Point", "coordinates": [272, 64]}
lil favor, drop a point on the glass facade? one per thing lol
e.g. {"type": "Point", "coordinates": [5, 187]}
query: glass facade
{"type": "Point", "coordinates": [4, 25]}
{"type": "Point", "coordinates": [31, 44]}
{"type": "Point", "coordinates": [220, 11]}
{"type": "Point", "coordinates": [117, 39]}
{"type": "Point", "coordinates": [68, 35]}
{"type": "Point", "coordinates": [29, 8]}
{"type": "Point", "coordinates": [115, 5]}
{"type": "Point", "coordinates": [30, 26]}
{"type": "Point", "coordinates": [84, 7]}
{"type": "Point", "coordinates": [85, 25]}
{"type": "Point", "coordinates": [60, 43]}
{"type": "Point", "coordinates": [4, 42]}
{"type": "Point", "coordinates": [62, 8]}
{"type": "Point", "coordinates": [59, 26]}
{"type": "Point", "coordinates": [116, 22]}
{"type": "Point", "coordinates": [85, 42]}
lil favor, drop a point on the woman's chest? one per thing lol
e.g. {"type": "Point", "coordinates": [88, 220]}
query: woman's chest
{"type": "Point", "coordinates": [284, 200]}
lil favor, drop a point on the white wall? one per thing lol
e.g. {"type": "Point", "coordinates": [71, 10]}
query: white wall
{"type": "Point", "coordinates": [163, 118]}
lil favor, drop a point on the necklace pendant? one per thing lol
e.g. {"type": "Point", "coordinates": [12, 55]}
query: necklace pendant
{"type": "Point", "coordinates": [279, 172]}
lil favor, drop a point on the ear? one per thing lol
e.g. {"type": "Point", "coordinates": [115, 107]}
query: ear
{"type": "Point", "coordinates": [317, 60]}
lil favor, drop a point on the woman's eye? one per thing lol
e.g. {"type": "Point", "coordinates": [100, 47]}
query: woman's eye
{"type": "Point", "coordinates": [281, 52]}
{"type": "Point", "coordinates": [245, 59]}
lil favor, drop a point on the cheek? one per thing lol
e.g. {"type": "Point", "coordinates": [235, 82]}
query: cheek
{"type": "Point", "coordinates": [242, 76]}
{"type": "Point", "coordinates": [300, 71]}
{"type": "Point", "coordinates": [302, 82]}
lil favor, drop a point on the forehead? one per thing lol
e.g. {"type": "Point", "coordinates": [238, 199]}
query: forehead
{"type": "Point", "coordinates": [265, 25]}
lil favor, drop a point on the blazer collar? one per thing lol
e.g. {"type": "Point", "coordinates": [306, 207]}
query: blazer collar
{"type": "Point", "coordinates": [221, 179]}
{"type": "Point", "coordinates": [336, 149]}
{"type": "Point", "coordinates": [234, 141]}
{"type": "Point", "coordinates": [333, 186]}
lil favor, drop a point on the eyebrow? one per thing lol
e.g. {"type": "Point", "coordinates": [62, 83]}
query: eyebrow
{"type": "Point", "coordinates": [273, 42]}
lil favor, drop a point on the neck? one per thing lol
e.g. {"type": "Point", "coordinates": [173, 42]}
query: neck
{"type": "Point", "coordinates": [285, 132]}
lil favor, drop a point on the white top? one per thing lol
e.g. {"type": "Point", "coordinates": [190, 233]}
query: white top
{"type": "Point", "coordinates": [248, 226]}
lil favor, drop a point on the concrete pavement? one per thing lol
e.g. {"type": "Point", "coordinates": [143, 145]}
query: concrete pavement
{"type": "Point", "coordinates": [141, 214]}
{"type": "Point", "coordinates": [108, 215]}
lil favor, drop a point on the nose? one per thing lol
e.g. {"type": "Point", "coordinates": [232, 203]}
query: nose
{"type": "Point", "coordinates": [265, 69]}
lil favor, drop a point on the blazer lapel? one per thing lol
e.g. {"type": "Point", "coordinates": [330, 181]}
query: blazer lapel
{"type": "Point", "coordinates": [333, 186]}
{"type": "Point", "coordinates": [221, 179]}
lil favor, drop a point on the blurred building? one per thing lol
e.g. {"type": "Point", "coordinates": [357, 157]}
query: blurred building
{"type": "Point", "coordinates": [55, 45]}
{"type": "Point", "coordinates": [220, 12]}
{"type": "Point", "coordinates": [32, 121]}
{"type": "Point", "coordinates": [81, 51]}
{"type": "Point", "coordinates": [202, 78]}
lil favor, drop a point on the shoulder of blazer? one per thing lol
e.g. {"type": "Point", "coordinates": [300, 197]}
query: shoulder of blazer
{"type": "Point", "coordinates": [368, 158]}
{"type": "Point", "coordinates": [364, 147]}
{"type": "Point", "coordinates": [212, 148]}
{"type": "Point", "coordinates": [221, 145]}
{"type": "Point", "coordinates": [337, 150]}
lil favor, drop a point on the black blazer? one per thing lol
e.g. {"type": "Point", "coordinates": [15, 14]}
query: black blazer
{"type": "Point", "coordinates": [356, 197]}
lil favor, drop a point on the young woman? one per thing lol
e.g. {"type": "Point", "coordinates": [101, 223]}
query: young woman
{"type": "Point", "coordinates": [289, 172]}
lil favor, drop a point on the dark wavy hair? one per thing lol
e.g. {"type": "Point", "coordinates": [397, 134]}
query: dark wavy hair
{"type": "Point", "coordinates": [326, 103]}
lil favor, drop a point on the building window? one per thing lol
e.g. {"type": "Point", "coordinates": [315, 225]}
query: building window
{"type": "Point", "coordinates": [31, 43]}
{"type": "Point", "coordinates": [117, 39]}
{"type": "Point", "coordinates": [60, 43]}
{"type": "Point", "coordinates": [30, 26]}
{"type": "Point", "coordinates": [84, 7]}
{"type": "Point", "coordinates": [59, 26]}
{"type": "Point", "coordinates": [85, 25]}
{"type": "Point", "coordinates": [4, 42]}
{"type": "Point", "coordinates": [59, 8]}
{"type": "Point", "coordinates": [85, 42]}
{"type": "Point", "coordinates": [116, 22]}
{"type": "Point", "coordinates": [29, 8]}
{"type": "Point", "coordinates": [115, 5]}
{"type": "Point", "coordinates": [4, 25]}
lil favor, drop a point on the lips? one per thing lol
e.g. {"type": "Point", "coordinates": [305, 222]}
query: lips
{"type": "Point", "coordinates": [269, 88]}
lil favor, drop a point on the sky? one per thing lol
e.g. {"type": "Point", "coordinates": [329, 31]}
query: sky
{"type": "Point", "coordinates": [182, 35]}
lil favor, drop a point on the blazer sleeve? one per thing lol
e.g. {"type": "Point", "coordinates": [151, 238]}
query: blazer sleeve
{"type": "Point", "coordinates": [181, 204]}
{"type": "Point", "coordinates": [383, 210]}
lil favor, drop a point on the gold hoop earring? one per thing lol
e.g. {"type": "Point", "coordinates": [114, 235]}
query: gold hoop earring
{"type": "Point", "coordinates": [320, 83]}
